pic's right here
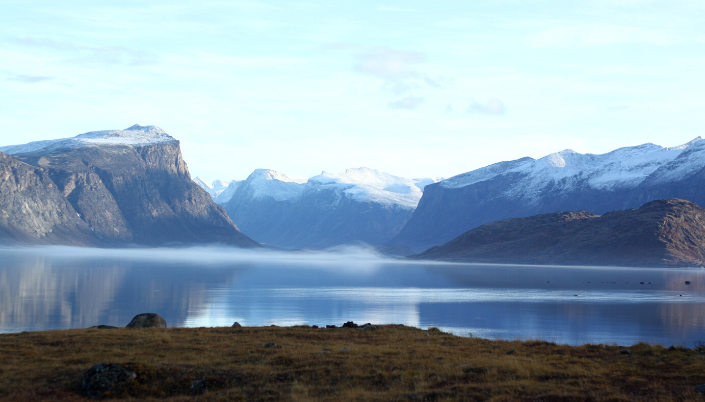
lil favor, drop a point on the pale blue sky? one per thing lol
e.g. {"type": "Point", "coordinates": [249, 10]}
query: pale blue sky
{"type": "Point", "coordinates": [415, 88]}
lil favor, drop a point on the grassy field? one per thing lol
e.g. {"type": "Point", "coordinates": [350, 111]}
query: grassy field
{"type": "Point", "coordinates": [393, 363]}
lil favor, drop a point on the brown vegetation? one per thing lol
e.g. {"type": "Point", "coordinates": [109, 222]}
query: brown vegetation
{"type": "Point", "coordinates": [391, 363]}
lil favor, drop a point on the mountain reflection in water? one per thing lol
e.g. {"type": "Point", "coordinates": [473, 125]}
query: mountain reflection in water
{"type": "Point", "coordinates": [59, 287]}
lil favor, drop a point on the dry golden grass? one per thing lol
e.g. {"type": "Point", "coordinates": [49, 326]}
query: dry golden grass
{"type": "Point", "coordinates": [393, 363]}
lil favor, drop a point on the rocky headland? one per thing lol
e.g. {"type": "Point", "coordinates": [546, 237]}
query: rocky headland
{"type": "Point", "coordinates": [661, 233]}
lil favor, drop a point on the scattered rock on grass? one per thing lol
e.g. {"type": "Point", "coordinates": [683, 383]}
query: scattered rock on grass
{"type": "Point", "coordinates": [368, 327]}
{"type": "Point", "coordinates": [103, 327]}
{"type": "Point", "coordinates": [512, 352]}
{"type": "Point", "coordinates": [350, 324]}
{"type": "Point", "coordinates": [344, 350]}
{"type": "Point", "coordinates": [236, 325]}
{"type": "Point", "coordinates": [330, 326]}
{"type": "Point", "coordinates": [106, 378]}
{"type": "Point", "coordinates": [625, 352]}
{"type": "Point", "coordinates": [700, 389]}
{"type": "Point", "coordinates": [270, 345]}
{"type": "Point", "coordinates": [147, 320]}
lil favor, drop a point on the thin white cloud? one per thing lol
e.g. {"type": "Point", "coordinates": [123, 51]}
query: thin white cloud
{"type": "Point", "coordinates": [492, 106]}
{"type": "Point", "coordinates": [591, 35]}
{"type": "Point", "coordinates": [27, 79]}
{"type": "Point", "coordinates": [407, 103]}
{"type": "Point", "coordinates": [73, 53]}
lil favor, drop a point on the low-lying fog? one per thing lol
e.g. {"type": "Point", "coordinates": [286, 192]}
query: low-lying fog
{"type": "Point", "coordinates": [69, 287]}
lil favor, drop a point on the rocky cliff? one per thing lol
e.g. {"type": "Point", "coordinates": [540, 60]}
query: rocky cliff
{"type": "Point", "coordinates": [660, 233]}
{"type": "Point", "coordinates": [126, 187]}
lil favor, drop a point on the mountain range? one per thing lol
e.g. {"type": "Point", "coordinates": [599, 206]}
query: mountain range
{"type": "Point", "coordinates": [564, 181]}
{"type": "Point", "coordinates": [107, 188]}
{"type": "Point", "coordinates": [361, 205]}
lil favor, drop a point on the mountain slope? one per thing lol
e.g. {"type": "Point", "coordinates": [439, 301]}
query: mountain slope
{"type": "Point", "coordinates": [660, 233]}
{"type": "Point", "coordinates": [360, 205]}
{"type": "Point", "coordinates": [624, 178]}
{"type": "Point", "coordinates": [131, 187]}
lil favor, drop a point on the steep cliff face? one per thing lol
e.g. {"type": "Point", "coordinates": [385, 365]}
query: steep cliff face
{"type": "Point", "coordinates": [563, 181]}
{"type": "Point", "coordinates": [33, 210]}
{"type": "Point", "coordinates": [132, 187]}
{"type": "Point", "coordinates": [660, 233]}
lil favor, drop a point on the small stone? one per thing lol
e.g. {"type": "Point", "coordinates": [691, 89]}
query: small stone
{"type": "Point", "coordinates": [314, 326]}
{"type": "Point", "coordinates": [512, 352]}
{"type": "Point", "coordinates": [625, 352]}
{"type": "Point", "coordinates": [368, 327]}
{"type": "Point", "coordinates": [236, 325]}
{"type": "Point", "coordinates": [198, 387]}
{"type": "Point", "coordinates": [104, 327]}
{"type": "Point", "coordinates": [344, 350]}
{"type": "Point", "coordinates": [147, 320]}
{"type": "Point", "coordinates": [320, 352]}
{"type": "Point", "coordinates": [330, 326]}
{"type": "Point", "coordinates": [106, 378]}
{"type": "Point", "coordinates": [270, 345]}
{"type": "Point", "coordinates": [700, 389]}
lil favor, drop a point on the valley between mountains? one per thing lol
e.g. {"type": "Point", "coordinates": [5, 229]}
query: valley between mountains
{"type": "Point", "coordinates": [131, 187]}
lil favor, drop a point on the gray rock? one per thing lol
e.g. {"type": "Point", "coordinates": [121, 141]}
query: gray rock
{"type": "Point", "coordinates": [512, 352]}
{"type": "Point", "coordinates": [368, 327]}
{"type": "Point", "coordinates": [147, 320]}
{"type": "Point", "coordinates": [344, 350]}
{"type": "Point", "coordinates": [104, 327]}
{"type": "Point", "coordinates": [270, 345]}
{"type": "Point", "coordinates": [108, 195]}
{"type": "Point", "coordinates": [236, 325]}
{"type": "Point", "coordinates": [330, 326]}
{"type": "Point", "coordinates": [106, 378]}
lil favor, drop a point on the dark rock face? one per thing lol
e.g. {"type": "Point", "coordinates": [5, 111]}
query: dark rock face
{"type": "Point", "coordinates": [147, 320]}
{"type": "Point", "coordinates": [528, 187]}
{"type": "Point", "coordinates": [660, 233]}
{"type": "Point", "coordinates": [33, 209]}
{"type": "Point", "coordinates": [106, 379]}
{"type": "Point", "coordinates": [110, 195]}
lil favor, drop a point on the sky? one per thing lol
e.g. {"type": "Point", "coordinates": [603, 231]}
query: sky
{"type": "Point", "coordinates": [413, 88]}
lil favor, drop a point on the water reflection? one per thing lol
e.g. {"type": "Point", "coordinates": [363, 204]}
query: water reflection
{"type": "Point", "coordinates": [55, 288]}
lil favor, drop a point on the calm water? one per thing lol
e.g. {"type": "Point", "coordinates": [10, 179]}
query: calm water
{"type": "Point", "coordinates": [55, 288]}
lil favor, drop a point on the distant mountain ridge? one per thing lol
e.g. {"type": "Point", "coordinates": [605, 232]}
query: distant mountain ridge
{"type": "Point", "coordinates": [361, 205]}
{"type": "Point", "coordinates": [661, 233]}
{"type": "Point", "coordinates": [625, 178]}
{"type": "Point", "coordinates": [108, 188]}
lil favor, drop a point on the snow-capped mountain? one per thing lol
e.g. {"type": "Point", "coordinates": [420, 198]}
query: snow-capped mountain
{"type": "Point", "coordinates": [359, 205]}
{"type": "Point", "coordinates": [218, 190]}
{"type": "Point", "coordinates": [136, 135]}
{"type": "Point", "coordinates": [624, 178]}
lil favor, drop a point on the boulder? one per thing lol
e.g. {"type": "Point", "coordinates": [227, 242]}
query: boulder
{"type": "Point", "coordinates": [236, 325]}
{"type": "Point", "coordinates": [103, 327]}
{"type": "Point", "coordinates": [105, 379]}
{"type": "Point", "coordinates": [147, 320]}
{"type": "Point", "coordinates": [350, 324]}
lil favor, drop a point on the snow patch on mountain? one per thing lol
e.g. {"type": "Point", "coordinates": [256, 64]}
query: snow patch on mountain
{"type": "Point", "coordinates": [422, 183]}
{"type": "Point", "coordinates": [223, 195]}
{"type": "Point", "coordinates": [369, 185]}
{"type": "Point", "coordinates": [624, 168]}
{"type": "Point", "coordinates": [132, 136]}
{"type": "Point", "coordinates": [269, 183]}
{"type": "Point", "coordinates": [202, 184]}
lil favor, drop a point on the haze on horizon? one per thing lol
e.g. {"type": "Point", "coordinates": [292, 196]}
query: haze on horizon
{"type": "Point", "coordinates": [411, 88]}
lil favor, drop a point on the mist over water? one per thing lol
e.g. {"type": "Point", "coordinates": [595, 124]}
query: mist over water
{"type": "Point", "coordinates": [64, 287]}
